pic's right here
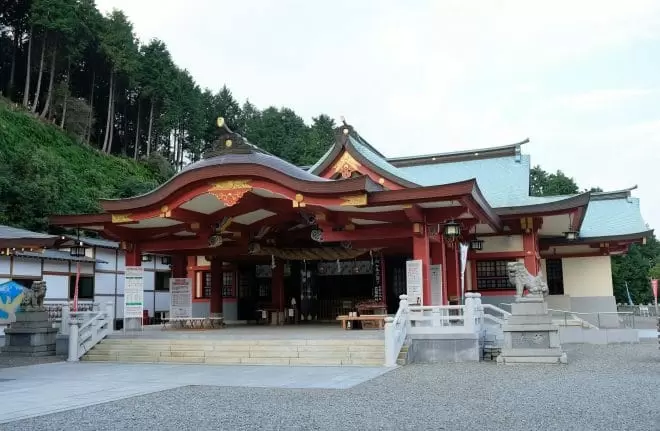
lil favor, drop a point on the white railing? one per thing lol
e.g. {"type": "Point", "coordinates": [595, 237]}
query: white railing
{"type": "Point", "coordinates": [493, 318]}
{"type": "Point", "coordinates": [396, 331]}
{"type": "Point", "coordinates": [88, 328]}
{"type": "Point", "coordinates": [413, 320]}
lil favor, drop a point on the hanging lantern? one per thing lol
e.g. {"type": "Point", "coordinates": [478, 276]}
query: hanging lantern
{"type": "Point", "coordinates": [166, 260]}
{"type": "Point", "coordinates": [452, 229]}
{"type": "Point", "coordinates": [146, 258]}
{"type": "Point", "coordinates": [77, 250]}
{"type": "Point", "coordinates": [571, 235]}
{"type": "Point", "coordinates": [477, 244]}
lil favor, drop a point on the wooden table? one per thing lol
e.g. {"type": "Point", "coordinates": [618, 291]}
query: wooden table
{"type": "Point", "coordinates": [377, 319]}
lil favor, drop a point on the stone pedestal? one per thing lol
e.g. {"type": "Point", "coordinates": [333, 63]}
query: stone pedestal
{"type": "Point", "coordinates": [32, 334]}
{"type": "Point", "coordinates": [529, 335]}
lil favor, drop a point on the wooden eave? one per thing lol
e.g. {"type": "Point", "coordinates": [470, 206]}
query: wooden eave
{"type": "Point", "coordinates": [466, 192]}
{"type": "Point", "coordinates": [189, 180]}
{"type": "Point", "coordinates": [631, 238]}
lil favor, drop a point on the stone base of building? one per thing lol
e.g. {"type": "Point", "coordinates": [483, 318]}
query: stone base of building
{"type": "Point", "coordinates": [32, 334]}
{"type": "Point", "coordinates": [529, 335]}
{"type": "Point", "coordinates": [429, 349]}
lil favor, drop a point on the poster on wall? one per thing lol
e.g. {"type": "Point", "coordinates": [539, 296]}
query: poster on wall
{"type": "Point", "coordinates": [378, 280]}
{"type": "Point", "coordinates": [414, 283]}
{"type": "Point", "coordinates": [436, 284]}
{"type": "Point", "coordinates": [180, 298]}
{"type": "Point", "coordinates": [133, 292]}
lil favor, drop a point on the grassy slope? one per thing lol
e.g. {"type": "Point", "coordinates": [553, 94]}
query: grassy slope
{"type": "Point", "coordinates": [43, 171]}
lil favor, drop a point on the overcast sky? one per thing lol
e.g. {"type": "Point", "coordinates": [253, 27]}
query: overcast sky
{"type": "Point", "coordinates": [580, 78]}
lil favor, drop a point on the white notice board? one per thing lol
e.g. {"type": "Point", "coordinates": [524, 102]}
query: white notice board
{"type": "Point", "coordinates": [133, 292]}
{"type": "Point", "coordinates": [436, 284]}
{"type": "Point", "coordinates": [180, 298]}
{"type": "Point", "coordinates": [414, 276]}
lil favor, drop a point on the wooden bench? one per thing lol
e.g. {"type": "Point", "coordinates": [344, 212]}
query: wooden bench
{"type": "Point", "coordinates": [193, 322]}
{"type": "Point", "coordinates": [377, 319]}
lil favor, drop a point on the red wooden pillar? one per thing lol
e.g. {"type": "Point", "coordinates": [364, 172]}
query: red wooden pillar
{"type": "Point", "coordinates": [453, 271]}
{"type": "Point", "coordinates": [422, 251]}
{"type": "Point", "coordinates": [439, 257]}
{"type": "Point", "coordinates": [179, 267]}
{"type": "Point", "coordinates": [277, 286]}
{"type": "Point", "coordinates": [216, 285]}
{"type": "Point", "coordinates": [133, 254]}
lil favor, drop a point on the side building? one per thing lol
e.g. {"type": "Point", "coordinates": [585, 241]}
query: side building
{"type": "Point", "coordinates": [98, 264]}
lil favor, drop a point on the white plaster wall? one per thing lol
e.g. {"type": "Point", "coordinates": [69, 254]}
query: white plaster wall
{"type": "Point", "coordinates": [5, 264]}
{"type": "Point", "coordinates": [201, 261]}
{"type": "Point", "coordinates": [119, 306]}
{"type": "Point", "coordinates": [85, 268]}
{"type": "Point", "coordinates": [494, 244]}
{"type": "Point", "coordinates": [57, 287]}
{"type": "Point", "coordinates": [120, 284]}
{"type": "Point", "coordinates": [56, 266]}
{"type": "Point", "coordinates": [148, 281]}
{"type": "Point", "coordinates": [27, 267]}
{"type": "Point", "coordinates": [149, 303]}
{"type": "Point", "coordinates": [121, 260]}
{"type": "Point", "coordinates": [162, 301]}
{"type": "Point", "coordinates": [104, 283]}
{"type": "Point", "coordinates": [107, 255]}
{"type": "Point", "coordinates": [587, 276]}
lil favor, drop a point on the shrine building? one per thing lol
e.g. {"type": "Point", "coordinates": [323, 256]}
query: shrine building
{"type": "Point", "coordinates": [253, 231]}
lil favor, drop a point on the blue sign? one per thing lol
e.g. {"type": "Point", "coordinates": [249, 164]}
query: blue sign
{"type": "Point", "coordinates": [11, 295]}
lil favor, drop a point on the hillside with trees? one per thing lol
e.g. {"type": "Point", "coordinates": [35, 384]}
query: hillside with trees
{"type": "Point", "coordinates": [89, 74]}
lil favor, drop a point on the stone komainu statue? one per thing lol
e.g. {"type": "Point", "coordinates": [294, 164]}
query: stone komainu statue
{"type": "Point", "coordinates": [521, 278]}
{"type": "Point", "coordinates": [33, 298]}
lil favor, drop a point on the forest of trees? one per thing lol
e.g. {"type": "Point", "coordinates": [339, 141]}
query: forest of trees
{"type": "Point", "coordinates": [87, 73]}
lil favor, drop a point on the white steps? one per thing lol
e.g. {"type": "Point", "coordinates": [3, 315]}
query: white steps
{"type": "Point", "coordinates": [240, 352]}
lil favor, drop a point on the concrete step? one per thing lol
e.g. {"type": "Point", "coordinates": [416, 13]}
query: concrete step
{"type": "Point", "coordinates": [254, 352]}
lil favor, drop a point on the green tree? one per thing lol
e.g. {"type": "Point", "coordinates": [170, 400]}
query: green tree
{"type": "Point", "coordinates": [543, 183]}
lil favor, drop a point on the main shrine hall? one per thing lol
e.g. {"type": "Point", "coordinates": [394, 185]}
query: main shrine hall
{"type": "Point", "coordinates": [255, 232]}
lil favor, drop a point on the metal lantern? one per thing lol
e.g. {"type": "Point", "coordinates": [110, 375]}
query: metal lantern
{"type": "Point", "coordinates": [77, 250]}
{"type": "Point", "coordinates": [477, 244]}
{"type": "Point", "coordinates": [571, 235]}
{"type": "Point", "coordinates": [452, 229]}
{"type": "Point", "coordinates": [146, 258]}
{"type": "Point", "coordinates": [166, 260]}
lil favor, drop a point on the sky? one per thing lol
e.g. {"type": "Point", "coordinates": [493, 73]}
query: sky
{"type": "Point", "coordinates": [579, 78]}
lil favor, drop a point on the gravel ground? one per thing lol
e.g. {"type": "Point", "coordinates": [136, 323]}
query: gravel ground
{"type": "Point", "coordinates": [20, 361]}
{"type": "Point", "coordinates": [603, 388]}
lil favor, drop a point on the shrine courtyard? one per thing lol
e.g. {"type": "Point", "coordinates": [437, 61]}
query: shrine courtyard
{"type": "Point", "coordinates": [611, 387]}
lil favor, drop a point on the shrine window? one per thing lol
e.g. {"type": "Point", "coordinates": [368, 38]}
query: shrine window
{"type": "Point", "coordinates": [493, 275]}
{"type": "Point", "coordinates": [85, 287]}
{"type": "Point", "coordinates": [162, 281]}
{"type": "Point", "coordinates": [203, 288]}
{"type": "Point", "coordinates": [228, 284]}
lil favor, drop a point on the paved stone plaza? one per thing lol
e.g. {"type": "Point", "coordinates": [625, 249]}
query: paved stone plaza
{"type": "Point", "coordinates": [603, 388]}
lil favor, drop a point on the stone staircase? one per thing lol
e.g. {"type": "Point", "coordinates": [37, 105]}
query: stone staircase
{"type": "Point", "coordinates": [402, 359]}
{"type": "Point", "coordinates": [364, 352]}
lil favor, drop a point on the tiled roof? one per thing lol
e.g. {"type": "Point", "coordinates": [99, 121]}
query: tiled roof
{"type": "Point", "coordinates": [8, 232]}
{"type": "Point", "coordinates": [380, 162]}
{"type": "Point", "coordinates": [504, 181]}
{"type": "Point", "coordinates": [96, 242]}
{"type": "Point", "coordinates": [55, 255]}
{"type": "Point", "coordinates": [613, 217]}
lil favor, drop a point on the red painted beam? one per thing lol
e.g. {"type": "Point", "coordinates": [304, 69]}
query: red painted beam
{"type": "Point", "coordinates": [414, 214]}
{"type": "Point", "coordinates": [504, 255]}
{"type": "Point", "coordinates": [368, 234]}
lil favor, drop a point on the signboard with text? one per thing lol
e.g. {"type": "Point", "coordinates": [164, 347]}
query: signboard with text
{"type": "Point", "coordinates": [180, 298]}
{"type": "Point", "coordinates": [133, 292]}
{"type": "Point", "coordinates": [414, 282]}
{"type": "Point", "coordinates": [436, 284]}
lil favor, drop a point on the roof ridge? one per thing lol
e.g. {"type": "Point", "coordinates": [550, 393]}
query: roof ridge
{"type": "Point", "coordinates": [478, 153]}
